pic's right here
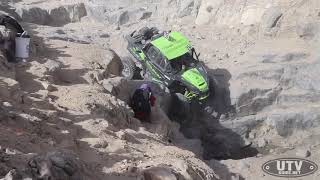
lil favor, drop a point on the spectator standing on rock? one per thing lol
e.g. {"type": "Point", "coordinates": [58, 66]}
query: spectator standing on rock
{"type": "Point", "coordinates": [142, 101]}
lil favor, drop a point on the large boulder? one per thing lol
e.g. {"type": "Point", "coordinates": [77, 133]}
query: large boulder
{"type": "Point", "coordinates": [186, 8]}
{"type": "Point", "coordinates": [115, 66]}
{"type": "Point", "coordinates": [52, 67]}
{"type": "Point", "coordinates": [281, 92]}
{"type": "Point", "coordinates": [175, 169]}
{"type": "Point", "coordinates": [125, 16]}
{"type": "Point", "coordinates": [288, 120]}
{"type": "Point", "coordinates": [270, 19]}
{"type": "Point", "coordinates": [50, 15]}
{"type": "Point", "coordinates": [207, 11]}
{"type": "Point", "coordinates": [230, 14]}
{"type": "Point", "coordinates": [58, 164]}
{"type": "Point", "coordinates": [252, 16]}
{"type": "Point", "coordinates": [189, 7]}
{"type": "Point", "coordinates": [34, 15]}
{"type": "Point", "coordinates": [97, 11]}
{"type": "Point", "coordinates": [105, 64]}
{"type": "Point", "coordinates": [307, 29]}
{"type": "Point", "coordinates": [159, 173]}
{"type": "Point", "coordinates": [303, 77]}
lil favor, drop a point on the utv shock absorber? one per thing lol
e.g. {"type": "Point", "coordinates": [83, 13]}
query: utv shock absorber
{"type": "Point", "coordinates": [189, 95]}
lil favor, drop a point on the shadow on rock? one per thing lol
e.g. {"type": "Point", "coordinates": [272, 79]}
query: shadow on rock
{"type": "Point", "coordinates": [219, 98]}
{"type": "Point", "coordinates": [66, 76]}
{"type": "Point", "coordinates": [53, 165]}
{"type": "Point", "coordinates": [222, 143]}
{"type": "Point", "coordinates": [219, 142]}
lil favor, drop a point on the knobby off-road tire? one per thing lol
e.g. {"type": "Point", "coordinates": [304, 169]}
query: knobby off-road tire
{"type": "Point", "coordinates": [129, 68]}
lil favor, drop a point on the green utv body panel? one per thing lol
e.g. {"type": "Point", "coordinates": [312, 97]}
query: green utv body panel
{"type": "Point", "coordinates": [194, 77]}
{"type": "Point", "coordinates": [136, 52]}
{"type": "Point", "coordinates": [154, 72]}
{"type": "Point", "coordinates": [142, 56]}
{"type": "Point", "coordinates": [172, 47]}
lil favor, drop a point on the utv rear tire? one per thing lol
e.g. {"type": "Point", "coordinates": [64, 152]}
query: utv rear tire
{"type": "Point", "coordinates": [213, 85]}
{"type": "Point", "coordinates": [129, 68]}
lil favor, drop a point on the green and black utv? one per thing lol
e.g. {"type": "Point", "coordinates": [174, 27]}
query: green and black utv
{"type": "Point", "coordinates": [168, 59]}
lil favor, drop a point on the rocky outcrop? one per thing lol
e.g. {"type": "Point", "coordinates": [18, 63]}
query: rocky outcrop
{"type": "Point", "coordinates": [50, 15]}
{"type": "Point", "coordinates": [51, 165]}
{"type": "Point", "coordinates": [188, 8]}
{"type": "Point", "coordinates": [57, 165]}
{"type": "Point", "coordinates": [207, 12]}
{"type": "Point", "coordinates": [122, 17]}
{"type": "Point", "coordinates": [277, 18]}
{"type": "Point", "coordinates": [271, 20]}
{"type": "Point", "coordinates": [307, 29]}
{"type": "Point", "coordinates": [166, 173]}
{"type": "Point", "coordinates": [159, 173]}
{"type": "Point", "coordinates": [103, 11]}
{"type": "Point", "coordinates": [105, 64]}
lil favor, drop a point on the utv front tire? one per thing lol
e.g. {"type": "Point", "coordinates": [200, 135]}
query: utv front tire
{"type": "Point", "coordinates": [129, 68]}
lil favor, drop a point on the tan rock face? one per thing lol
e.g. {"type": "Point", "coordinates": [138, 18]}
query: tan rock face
{"type": "Point", "coordinates": [105, 64]}
{"type": "Point", "coordinates": [252, 16]}
{"type": "Point", "coordinates": [207, 12]}
{"type": "Point", "coordinates": [158, 173]}
{"type": "Point", "coordinates": [56, 15]}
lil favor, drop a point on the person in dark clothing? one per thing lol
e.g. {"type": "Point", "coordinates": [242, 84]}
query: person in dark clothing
{"type": "Point", "coordinates": [142, 101]}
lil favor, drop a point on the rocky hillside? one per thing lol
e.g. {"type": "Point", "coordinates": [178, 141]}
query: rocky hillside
{"type": "Point", "coordinates": [64, 113]}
